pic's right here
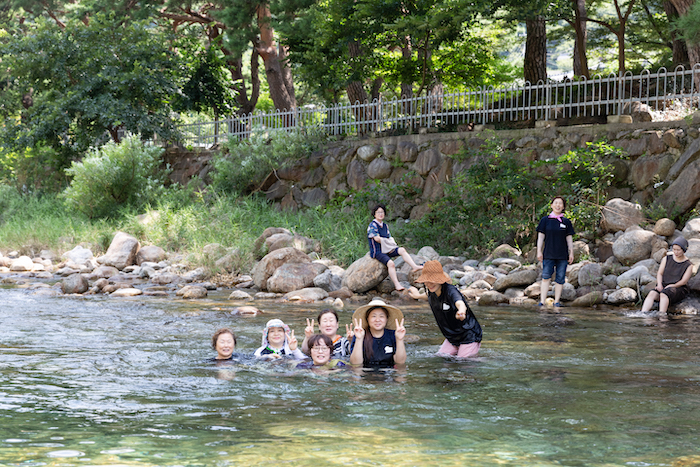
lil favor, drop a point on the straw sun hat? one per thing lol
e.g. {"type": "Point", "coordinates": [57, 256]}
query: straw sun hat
{"type": "Point", "coordinates": [432, 272]}
{"type": "Point", "coordinates": [394, 313]}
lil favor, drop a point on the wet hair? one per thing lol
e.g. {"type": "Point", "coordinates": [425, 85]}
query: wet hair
{"type": "Point", "coordinates": [328, 310]}
{"type": "Point", "coordinates": [215, 337]}
{"type": "Point", "coordinates": [317, 338]}
{"type": "Point", "coordinates": [562, 200]}
{"type": "Point", "coordinates": [377, 206]}
{"type": "Point", "coordinates": [367, 344]}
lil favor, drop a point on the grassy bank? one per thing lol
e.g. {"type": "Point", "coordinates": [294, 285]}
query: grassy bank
{"type": "Point", "coordinates": [31, 223]}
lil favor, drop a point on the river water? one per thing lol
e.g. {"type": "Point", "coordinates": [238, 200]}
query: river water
{"type": "Point", "coordinates": [100, 381]}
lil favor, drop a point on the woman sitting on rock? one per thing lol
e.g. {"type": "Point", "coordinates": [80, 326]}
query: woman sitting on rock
{"type": "Point", "coordinates": [382, 246]}
{"type": "Point", "coordinates": [672, 279]}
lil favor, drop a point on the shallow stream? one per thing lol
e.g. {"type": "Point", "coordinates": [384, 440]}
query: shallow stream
{"type": "Point", "coordinates": [100, 381]}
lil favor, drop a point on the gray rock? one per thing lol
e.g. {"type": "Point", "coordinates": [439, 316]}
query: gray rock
{"type": "Point", "coordinates": [619, 214]}
{"type": "Point", "coordinates": [620, 296]}
{"type": "Point", "coordinates": [105, 271]}
{"type": "Point", "coordinates": [521, 278]}
{"type": "Point", "coordinates": [76, 283]}
{"type": "Point", "coordinates": [121, 252]}
{"type": "Point", "coordinates": [379, 169]}
{"type": "Point", "coordinates": [428, 253]}
{"type": "Point", "coordinates": [78, 255]}
{"type": "Point", "coordinates": [588, 300]}
{"type": "Point", "coordinates": [408, 151]}
{"type": "Point", "coordinates": [689, 306]}
{"type": "Point", "coordinates": [491, 298]}
{"type": "Point", "coordinates": [192, 292]}
{"type": "Point", "coordinates": [150, 253]}
{"type": "Point", "coordinates": [126, 292]}
{"type": "Point", "coordinates": [633, 246]}
{"type": "Point", "coordinates": [367, 153]}
{"type": "Point", "coordinates": [590, 274]}
{"type": "Point", "coordinates": [22, 264]}
{"type": "Point", "coordinates": [364, 274]}
{"type": "Point", "coordinates": [292, 276]}
{"type": "Point", "coordinates": [308, 294]}
{"type": "Point", "coordinates": [240, 295]}
{"type": "Point", "coordinates": [266, 267]}
{"type": "Point", "coordinates": [328, 281]}
{"type": "Point", "coordinates": [692, 228]}
{"type": "Point", "coordinates": [166, 278]}
{"type": "Point", "coordinates": [665, 227]}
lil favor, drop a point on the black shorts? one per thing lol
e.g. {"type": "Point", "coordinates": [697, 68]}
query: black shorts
{"type": "Point", "coordinates": [385, 257]}
{"type": "Point", "coordinates": [675, 294]}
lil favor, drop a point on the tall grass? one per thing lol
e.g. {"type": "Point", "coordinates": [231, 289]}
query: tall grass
{"type": "Point", "coordinates": [30, 223]}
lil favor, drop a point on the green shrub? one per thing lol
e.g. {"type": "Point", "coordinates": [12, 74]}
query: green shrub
{"type": "Point", "coordinates": [243, 165]}
{"type": "Point", "coordinates": [115, 177]}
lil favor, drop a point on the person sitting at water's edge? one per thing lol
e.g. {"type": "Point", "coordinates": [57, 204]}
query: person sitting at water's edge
{"type": "Point", "coordinates": [328, 325]}
{"type": "Point", "coordinates": [278, 342]}
{"type": "Point", "coordinates": [378, 336]}
{"type": "Point", "coordinates": [672, 279]}
{"type": "Point", "coordinates": [382, 246]}
{"type": "Point", "coordinates": [452, 313]}
{"type": "Point", "coordinates": [320, 347]}
{"type": "Point", "coordinates": [224, 342]}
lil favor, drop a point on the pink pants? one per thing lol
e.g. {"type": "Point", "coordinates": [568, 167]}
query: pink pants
{"type": "Point", "coordinates": [463, 351]}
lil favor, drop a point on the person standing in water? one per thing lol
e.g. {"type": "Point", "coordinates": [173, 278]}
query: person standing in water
{"type": "Point", "coordinates": [672, 279]}
{"type": "Point", "coordinates": [555, 248]}
{"type": "Point", "coordinates": [382, 246]}
{"type": "Point", "coordinates": [453, 316]}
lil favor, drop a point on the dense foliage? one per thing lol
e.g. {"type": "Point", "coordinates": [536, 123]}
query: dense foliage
{"type": "Point", "coordinates": [116, 177]}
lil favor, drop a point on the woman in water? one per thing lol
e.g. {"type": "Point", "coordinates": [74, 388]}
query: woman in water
{"type": "Point", "coordinates": [672, 279]}
{"type": "Point", "coordinates": [328, 326]}
{"type": "Point", "coordinates": [378, 336]}
{"type": "Point", "coordinates": [321, 346]}
{"type": "Point", "coordinates": [555, 248]}
{"type": "Point", "coordinates": [224, 342]}
{"type": "Point", "coordinates": [278, 342]}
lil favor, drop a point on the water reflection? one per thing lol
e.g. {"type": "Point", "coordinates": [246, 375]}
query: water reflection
{"type": "Point", "coordinates": [126, 382]}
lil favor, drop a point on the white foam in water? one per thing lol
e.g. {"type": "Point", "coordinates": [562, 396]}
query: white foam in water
{"type": "Point", "coordinates": [640, 314]}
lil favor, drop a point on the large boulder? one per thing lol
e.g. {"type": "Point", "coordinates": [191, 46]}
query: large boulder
{"type": "Point", "coordinates": [364, 274]}
{"type": "Point", "coordinates": [75, 283]}
{"type": "Point", "coordinates": [492, 298]}
{"type": "Point", "coordinates": [287, 240]}
{"type": "Point", "coordinates": [590, 274]}
{"type": "Point", "coordinates": [692, 228]}
{"type": "Point", "coordinates": [688, 306]}
{"type": "Point", "coordinates": [665, 227]}
{"type": "Point", "coordinates": [292, 276]}
{"type": "Point", "coordinates": [151, 254]}
{"type": "Point", "coordinates": [78, 255]}
{"type": "Point", "coordinates": [22, 264]}
{"type": "Point", "coordinates": [684, 192]}
{"type": "Point", "coordinates": [267, 266]}
{"type": "Point", "coordinates": [632, 246]}
{"type": "Point", "coordinates": [588, 300]}
{"type": "Point", "coordinates": [121, 252]}
{"type": "Point", "coordinates": [521, 278]}
{"type": "Point", "coordinates": [329, 280]}
{"type": "Point", "coordinates": [379, 169]}
{"type": "Point", "coordinates": [637, 276]}
{"type": "Point", "coordinates": [621, 296]}
{"type": "Point", "coordinates": [619, 214]}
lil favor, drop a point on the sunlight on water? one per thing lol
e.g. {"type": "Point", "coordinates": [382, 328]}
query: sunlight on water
{"type": "Point", "coordinates": [97, 382]}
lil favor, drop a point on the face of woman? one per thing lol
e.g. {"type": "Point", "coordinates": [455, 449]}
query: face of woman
{"type": "Point", "coordinates": [677, 251]}
{"type": "Point", "coordinates": [558, 206]}
{"type": "Point", "coordinates": [225, 346]}
{"type": "Point", "coordinates": [320, 353]}
{"type": "Point", "coordinates": [377, 320]}
{"type": "Point", "coordinates": [379, 214]}
{"type": "Point", "coordinates": [432, 286]}
{"type": "Point", "coordinates": [275, 337]}
{"type": "Point", "coordinates": [328, 325]}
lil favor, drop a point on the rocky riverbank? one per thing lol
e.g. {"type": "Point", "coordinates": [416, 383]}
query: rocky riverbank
{"type": "Point", "coordinates": [616, 270]}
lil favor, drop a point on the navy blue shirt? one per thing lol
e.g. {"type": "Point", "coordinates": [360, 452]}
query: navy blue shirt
{"type": "Point", "coordinates": [383, 349]}
{"type": "Point", "coordinates": [444, 309]}
{"type": "Point", "coordinates": [555, 233]}
{"type": "Point", "coordinates": [373, 230]}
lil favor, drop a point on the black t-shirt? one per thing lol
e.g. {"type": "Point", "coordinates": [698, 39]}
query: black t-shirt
{"type": "Point", "coordinates": [383, 348]}
{"type": "Point", "coordinates": [555, 233]}
{"type": "Point", "coordinates": [444, 309]}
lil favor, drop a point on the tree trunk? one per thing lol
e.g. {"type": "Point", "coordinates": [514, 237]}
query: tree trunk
{"type": "Point", "coordinates": [267, 49]}
{"type": "Point", "coordinates": [680, 51]}
{"type": "Point", "coordinates": [535, 66]}
{"type": "Point", "coordinates": [580, 44]}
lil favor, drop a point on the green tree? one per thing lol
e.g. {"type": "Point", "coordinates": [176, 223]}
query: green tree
{"type": "Point", "coordinates": [90, 80]}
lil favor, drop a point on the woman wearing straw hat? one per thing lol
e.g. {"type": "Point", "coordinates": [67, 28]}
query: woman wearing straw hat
{"type": "Point", "coordinates": [454, 317]}
{"type": "Point", "coordinates": [379, 334]}
{"type": "Point", "coordinates": [672, 279]}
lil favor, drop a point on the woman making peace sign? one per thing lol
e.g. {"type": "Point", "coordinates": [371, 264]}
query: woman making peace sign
{"type": "Point", "coordinates": [379, 334]}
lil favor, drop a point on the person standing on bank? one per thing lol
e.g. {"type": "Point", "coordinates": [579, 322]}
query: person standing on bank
{"type": "Point", "coordinates": [672, 278]}
{"type": "Point", "coordinates": [382, 246]}
{"type": "Point", "coordinates": [555, 248]}
{"type": "Point", "coordinates": [454, 317]}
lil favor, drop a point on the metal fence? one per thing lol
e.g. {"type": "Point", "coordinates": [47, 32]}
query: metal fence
{"type": "Point", "coordinates": [570, 99]}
